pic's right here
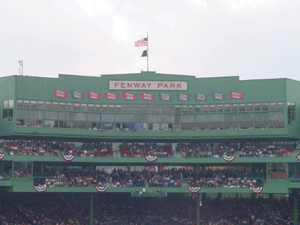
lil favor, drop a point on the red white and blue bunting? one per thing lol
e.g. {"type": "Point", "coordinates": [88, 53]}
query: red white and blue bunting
{"type": "Point", "coordinates": [298, 157]}
{"type": "Point", "coordinates": [2, 156]}
{"type": "Point", "coordinates": [68, 157]}
{"type": "Point", "coordinates": [194, 189]}
{"type": "Point", "coordinates": [151, 158]}
{"type": "Point", "coordinates": [101, 188]}
{"type": "Point", "coordinates": [256, 190]}
{"type": "Point", "coordinates": [228, 158]}
{"type": "Point", "coordinates": [41, 188]}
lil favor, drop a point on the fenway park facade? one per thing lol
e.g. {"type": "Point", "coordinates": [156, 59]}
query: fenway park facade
{"type": "Point", "coordinates": [149, 107]}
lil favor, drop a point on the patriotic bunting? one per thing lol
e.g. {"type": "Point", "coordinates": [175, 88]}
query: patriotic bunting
{"type": "Point", "coordinates": [77, 94]}
{"type": "Point", "coordinates": [41, 188]}
{"type": "Point", "coordinates": [129, 96]}
{"type": "Point", "coordinates": [93, 95]}
{"type": "Point", "coordinates": [256, 190]}
{"type": "Point", "coordinates": [228, 158]}
{"type": "Point", "coordinates": [201, 97]}
{"type": "Point", "coordinates": [2, 156]}
{"type": "Point", "coordinates": [151, 158]}
{"type": "Point", "coordinates": [194, 189]}
{"type": "Point", "coordinates": [101, 188]}
{"type": "Point", "coordinates": [60, 94]}
{"type": "Point", "coordinates": [68, 157]}
{"type": "Point", "coordinates": [218, 96]}
{"type": "Point", "coordinates": [236, 95]}
{"type": "Point", "coordinates": [298, 157]}
{"type": "Point", "coordinates": [147, 96]}
{"type": "Point", "coordinates": [183, 97]}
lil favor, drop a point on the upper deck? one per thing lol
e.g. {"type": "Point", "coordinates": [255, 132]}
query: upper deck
{"type": "Point", "coordinates": [148, 106]}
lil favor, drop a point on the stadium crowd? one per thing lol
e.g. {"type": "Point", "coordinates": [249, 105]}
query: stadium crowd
{"type": "Point", "coordinates": [267, 149]}
{"type": "Point", "coordinates": [142, 150]}
{"type": "Point", "coordinates": [222, 178]}
{"type": "Point", "coordinates": [122, 209]}
{"type": "Point", "coordinates": [206, 150]}
{"type": "Point", "coordinates": [30, 148]}
{"type": "Point", "coordinates": [186, 150]}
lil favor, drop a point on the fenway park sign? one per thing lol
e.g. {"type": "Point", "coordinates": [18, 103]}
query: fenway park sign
{"type": "Point", "coordinates": [147, 85]}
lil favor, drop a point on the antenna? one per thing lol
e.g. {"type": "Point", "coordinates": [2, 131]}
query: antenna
{"type": "Point", "coordinates": [21, 69]}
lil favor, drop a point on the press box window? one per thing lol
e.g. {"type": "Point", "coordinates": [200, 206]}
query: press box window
{"type": "Point", "coordinates": [7, 106]}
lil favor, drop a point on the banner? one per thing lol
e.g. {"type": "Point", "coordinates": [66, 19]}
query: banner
{"type": "Point", "coordinates": [236, 95]}
{"type": "Point", "coordinates": [93, 95]}
{"type": "Point", "coordinates": [183, 97]}
{"type": "Point", "coordinates": [165, 97]}
{"type": "Point", "coordinates": [147, 96]}
{"type": "Point", "coordinates": [111, 96]}
{"type": "Point", "coordinates": [77, 94]}
{"type": "Point", "coordinates": [129, 96]}
{"type": "Point", "coordinates": [201, 97]}
{"type": "Point", "coordinates": [60, 94]}
{"type": "Point", "coordinates": [218, 96]}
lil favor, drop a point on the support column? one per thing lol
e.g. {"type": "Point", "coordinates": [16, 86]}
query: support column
{"type": "Point", "coordinates": [13, 169]}
{"type": "Point", "coordinates": [31, 171]}
{"type": "Point", "coordinates": [91, 209]}
{"type": "Point", "coordinates": [267, 170]}
{"type": "Point", "coordinates": [198, 209]}
{"type": "Point", "coordinates": [159, 167]}
{"type": "Point", "coordinates": [42, 168]}
{"type": "Point", "coordinates": [197, 169]}
{"type": "Point", "coordinates": [295, 194]}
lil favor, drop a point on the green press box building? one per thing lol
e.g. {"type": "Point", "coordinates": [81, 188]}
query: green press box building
{"type": "Point", "coordinates": [151, 107]}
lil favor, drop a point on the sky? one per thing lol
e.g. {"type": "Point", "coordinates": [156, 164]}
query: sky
{"type": "Point", "coordinates": [253, 39]}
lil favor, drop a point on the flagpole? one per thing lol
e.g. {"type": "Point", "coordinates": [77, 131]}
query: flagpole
{"type": "Point", "coordinates": [147, 52]}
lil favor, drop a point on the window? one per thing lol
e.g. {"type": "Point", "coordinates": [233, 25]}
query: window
{"type": "Point", "coordinates": [70, 106]}
{"type": "Point", "coordinates": [41, 105]}
{"type": "Point", "coordinates": [76, 107]}
{"type": "Point", "coordinates": [48, 106]}
{"type": "Point", "coordinates": [242, 107]}
{"type": "Point", "coordinates": [212, 108]}
{"type": "Point", "coordinates": [220, 108]}
{"type": "Point", "coordinates": [265, 106]}
{"type": "Point", "coordinates": [205, 109]}
{"type": "Point", "coordinates": [83, 107]}
{"type": "Point", "coordinates": [257, 107]}
{"type": "Point", "coordinates": [7, 107]}
{"type": "Point", "coordinates": [33, 105]}
{"type": "Point", "coordinates": [291, 112]}
{"type": "Point", "coordinates": [62, 106]}
{"type": "Point", "coordinates": [55, 106]}
{"type": "Point", "coordinates": [118, 108]}
{"type": "Point", "coordinates": [273, 106]}
{"type": "Point", "coordinates": [227, 108]}
{"type": "Point", "coordinates": [20, 104]}
{"type": "Point", "coordinates": [27, 104]}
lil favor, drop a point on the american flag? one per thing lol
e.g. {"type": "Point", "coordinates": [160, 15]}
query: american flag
{"type": "Point", "coordinates": [141, 42]}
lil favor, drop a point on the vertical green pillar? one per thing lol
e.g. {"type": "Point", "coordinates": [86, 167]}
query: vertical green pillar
{"type": "Point", "coordinates": [13, 169]}
{"type": "Point", "coordinates": [159, 168]}
{"type": "Point", "coordinates": [128, 167]}
{"type": "Point", "coordinates": [198, 209]}
{"type": "Point", "coordinates": [295, 192]}
{"type": "Point", "coordinates": [267, 171]}
{"type": "Point", "coordinates": [197, 169]}
{"type": "Point", "coordinates": [92, 168]}
{"type": "Point", "coordinates": [42, 168]}
{"type": "Point", "coordinates": [31, 173]}
{"type": "Point", "coordinates": [287, 171]}
{"type": "Point", "coordinates": [91, 209]}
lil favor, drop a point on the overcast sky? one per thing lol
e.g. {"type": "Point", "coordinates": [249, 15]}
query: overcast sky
{"type": "Point", "coordinates": [252, 39]}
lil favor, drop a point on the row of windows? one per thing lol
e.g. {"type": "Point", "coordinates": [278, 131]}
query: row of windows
{"type": "Point", "coordinates": [145, 117]}
{"type": "Point", "coordinates": [151, 125]}
{"type": "Point", "coordinates": [189, 109]}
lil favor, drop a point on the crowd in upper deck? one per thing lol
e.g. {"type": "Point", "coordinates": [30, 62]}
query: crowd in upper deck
{"type": "Point", "coordinates": [142, 150]}
{"type": "Point", "coordinates": [122, 209]}
{"type": "Point", "coordinates": [136, 149]}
